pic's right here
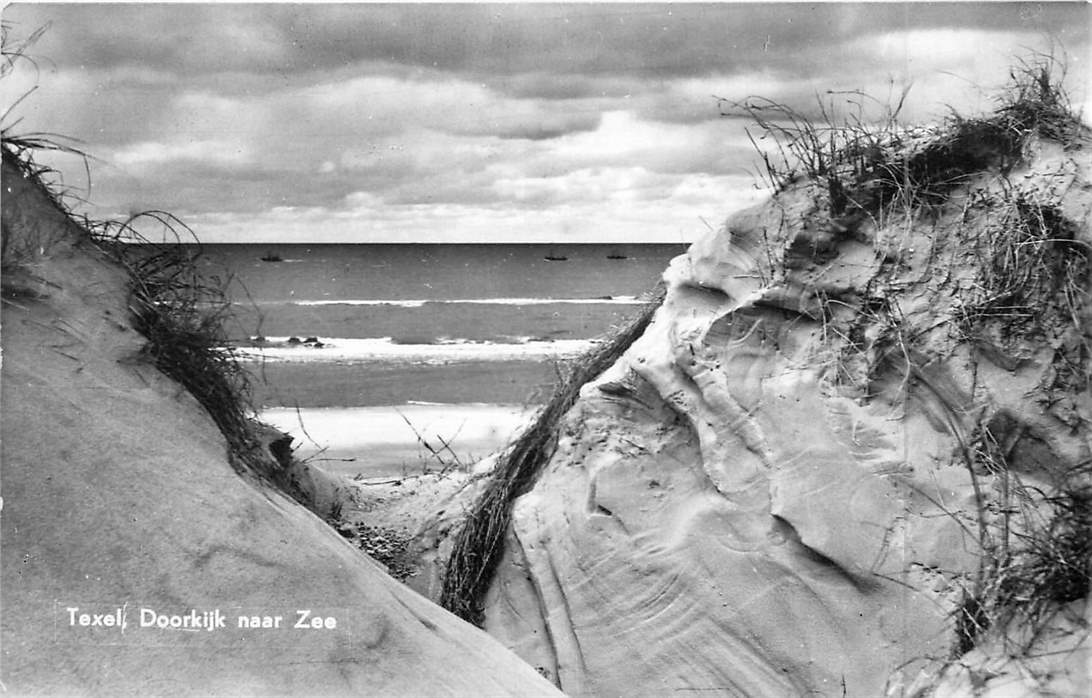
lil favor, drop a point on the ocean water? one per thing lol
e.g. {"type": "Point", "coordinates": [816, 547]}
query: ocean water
{"type": "Point", "coordinates": [405, 342]}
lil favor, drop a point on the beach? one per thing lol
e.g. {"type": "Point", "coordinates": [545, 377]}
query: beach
{"type": "Point", "coordinates": [364, 352]}
{"type": "Point", "coordinates": [415, 423]}
{"type": "Point", "coordinates": [398, 441]}
{"type": "Point", "coordinates": [146, 550]}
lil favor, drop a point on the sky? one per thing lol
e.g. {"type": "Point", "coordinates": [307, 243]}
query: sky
{"type": "Point", "coordinates": [515, 122]}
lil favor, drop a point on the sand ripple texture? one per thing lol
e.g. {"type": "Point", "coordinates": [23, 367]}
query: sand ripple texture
{"type": "Point", "coordinates": [732, 510]}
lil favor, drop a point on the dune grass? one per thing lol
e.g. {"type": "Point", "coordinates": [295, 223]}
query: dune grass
{"type": "Point", "coordinates": [1030, 290]}
{"type": "Point", "coordinates": [180, 312]}
{"type": "Point", "coordinates": [869, 164]}
{"type": "Point", "coordinates": [1031, 285]}
{"type": "Point", "coordinates": [19, 151]}
{"type": "Point", "coordinates": [1039, 559]}
{"type": "Point", "coordinates": [1025, 293]}
{"type": "Point", "coordinates": [831, 146]}
{"type": "Point", "coordinates": [479, 545]}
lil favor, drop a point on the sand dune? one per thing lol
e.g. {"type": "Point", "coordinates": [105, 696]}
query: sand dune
{"type": "Point", "coordinates": [136, 560]}
{"type": "Point", "coordinates": [847, 457]}
{"type": "Point", "coordinates": [825, 466]}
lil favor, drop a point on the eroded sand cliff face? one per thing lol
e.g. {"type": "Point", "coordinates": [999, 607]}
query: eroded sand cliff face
{"type": "Point", "coordinates": [781, 488]}
{"type": "Point", "coordinates": [119, 496]}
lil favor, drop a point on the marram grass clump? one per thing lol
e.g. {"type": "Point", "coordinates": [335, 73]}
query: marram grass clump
{"type": "Point", "coordinates": [18, 251]}
{"type": "Point", "coordinates": [182, 315]}
{"type": "Point", "coordinates": [480, 543]}
{"type": "Point", "coordinates": [1032, 273]}
{"type": "Point", "coordinates": [1044, 564]}
{"type": "Point", "coordinates": [1001, 274]}
{"type": "Point", "coordinates": [868, 166]}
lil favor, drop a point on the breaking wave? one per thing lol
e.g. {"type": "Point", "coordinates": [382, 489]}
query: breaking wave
{"type": "Point", "coordinates": [417, 303]}
{"type": "Point", "coordinates": [347, 350]}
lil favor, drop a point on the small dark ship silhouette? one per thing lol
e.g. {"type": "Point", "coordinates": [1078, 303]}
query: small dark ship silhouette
{"type": "Point", "coordinates": [270, 257]}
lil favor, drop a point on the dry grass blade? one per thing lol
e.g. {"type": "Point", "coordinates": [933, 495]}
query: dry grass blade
{"type": "Point", "coordinates": [12, 51]}
{"type": "Point", "coordinates": [1047, 565]}
{"type": "Point", "coordinates": [447, 463]}
{"type": "Point", "coordinates": [1013, 288]}
{"type": "Point", "coordinates": [480, 544]}
{"type": "Point", "coordinates": [181, 315]}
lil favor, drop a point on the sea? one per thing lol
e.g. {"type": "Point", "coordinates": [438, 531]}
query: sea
{"type": "Point", "coordinates": [387, 360]}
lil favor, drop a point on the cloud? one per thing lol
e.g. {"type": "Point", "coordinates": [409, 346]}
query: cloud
{"type": "Point", "coordinates": [147, 154]}
{"type": "Point", "coordinates": [542, 85]}
{"type": "Point", "coordinates": [624, 220]}
{"type": "Point", "coordinates": [951, 68]}
{"type": "Point", "coordinates": [485, 120]}
{"type": "Point", "coordinates": [623, 138]}
{"type": "Point", "coordinates": [620, 39]}
{"type": "Point", "coordinates": [589, 185]}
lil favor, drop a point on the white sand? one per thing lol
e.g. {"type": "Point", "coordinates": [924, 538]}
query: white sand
{"type": "Point", "coordinates": [378, 441]}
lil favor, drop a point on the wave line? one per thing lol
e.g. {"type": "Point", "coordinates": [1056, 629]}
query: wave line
{"type": "Point", "coordinates": [417, 303]}
{"type": "Point", "coordinates": [384, 349]}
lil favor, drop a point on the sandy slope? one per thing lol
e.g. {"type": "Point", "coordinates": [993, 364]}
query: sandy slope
{"type": "Point", "coordinates": [748, 504]}
{"type": "Point", "coordinates": [118, 496]}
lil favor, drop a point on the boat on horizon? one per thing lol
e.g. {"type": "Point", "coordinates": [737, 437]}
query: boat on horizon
{"type": "Point", "coordinates": [271, 257]}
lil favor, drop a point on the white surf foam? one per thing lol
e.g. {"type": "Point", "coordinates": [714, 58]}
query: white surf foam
{"type": "Point", "coordinates": [417, 303]}
{"type": "Point", "coordinates": [384, 349]}
{"type": "Point", "coordinates": [397, 303]}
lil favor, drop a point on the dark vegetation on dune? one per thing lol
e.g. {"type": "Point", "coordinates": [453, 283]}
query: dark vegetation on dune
{"type": "Point", "coordinates": [869, 166]}
{"type": "Point", "coordinates": [180, 312]}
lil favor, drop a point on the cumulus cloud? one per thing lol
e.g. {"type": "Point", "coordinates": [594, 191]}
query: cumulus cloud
{"type": "Point", "coordinates": [150, 153]}
{"type": "Point", "coordinates": [623, 138]}
{"type": "Point", "coordinates": [586, 40]}
{"type": "Point", "coordinates": [399, 120]}
{"type": "Point", "coordinates": [588, 185]}
{"type": "Point", "coordinates": [612, 220]}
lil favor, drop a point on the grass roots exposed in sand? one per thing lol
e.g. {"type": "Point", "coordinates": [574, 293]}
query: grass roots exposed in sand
{"type": "Point", "coordinates": [480, 544]}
